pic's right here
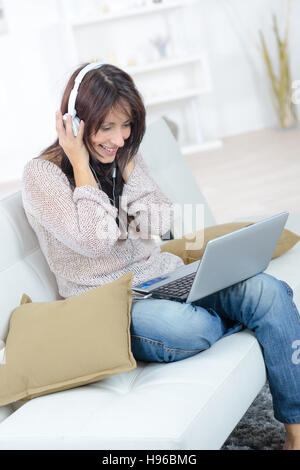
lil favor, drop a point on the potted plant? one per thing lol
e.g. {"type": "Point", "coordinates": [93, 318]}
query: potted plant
{"type": "Point", "coordinates": [281, 88]}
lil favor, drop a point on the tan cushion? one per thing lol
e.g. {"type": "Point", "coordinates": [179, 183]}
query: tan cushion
{"type": "Point", "coordinates": [178, 246]}
{"type": "Point", "coordinates": [53, 346]}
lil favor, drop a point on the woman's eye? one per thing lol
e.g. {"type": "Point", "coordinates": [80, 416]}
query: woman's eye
{"type": "Point", "coordinates": [108, 128]}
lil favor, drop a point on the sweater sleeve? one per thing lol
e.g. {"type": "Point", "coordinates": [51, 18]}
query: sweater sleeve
{"type": "Point", "coordinates": [152, 210]}
{"type": "Point", "coordinates": [84, 219]}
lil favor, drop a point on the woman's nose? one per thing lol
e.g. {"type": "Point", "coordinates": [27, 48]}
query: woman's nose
{"type": "Point", "coordinates": [118, 138]}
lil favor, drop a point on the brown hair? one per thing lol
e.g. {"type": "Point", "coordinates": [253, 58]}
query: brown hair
{"type": "Point", "coordinates": [101, 90]}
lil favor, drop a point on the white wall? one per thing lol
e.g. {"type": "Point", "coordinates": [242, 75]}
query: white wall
{"type": "Point", "coordinates": [33, 61]}
{"type": "Point", "coordinates": [240, 81]}
{"type": "Point", "coordinates": [35, 64]}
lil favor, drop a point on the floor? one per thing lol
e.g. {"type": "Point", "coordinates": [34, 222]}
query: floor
{"type": "Point", "coordinates": [257, 173]}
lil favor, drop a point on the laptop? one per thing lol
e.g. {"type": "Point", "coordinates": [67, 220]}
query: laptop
{"type": "Point", "coordinates": [226, 260]}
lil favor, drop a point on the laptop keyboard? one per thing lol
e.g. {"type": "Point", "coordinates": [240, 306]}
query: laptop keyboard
{"type": "Point", "coordinates": [175, 289]}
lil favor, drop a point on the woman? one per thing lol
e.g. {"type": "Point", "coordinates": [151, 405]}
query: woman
{"type": "Point", "coordinates": [76, 194]}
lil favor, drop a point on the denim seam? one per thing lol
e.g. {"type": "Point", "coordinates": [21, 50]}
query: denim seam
{"type": "Point", "coordinates": [286, 420]}
{"type": "Point", "coordinates": [290, 294]}
{"type": "Point", "coordinates": [158, 343]}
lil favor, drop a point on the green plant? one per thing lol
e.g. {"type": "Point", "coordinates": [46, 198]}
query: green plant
{"type": "Point", "coordinates": [280, 83]}
{"type": "Point", "coordinates": [281, 91]}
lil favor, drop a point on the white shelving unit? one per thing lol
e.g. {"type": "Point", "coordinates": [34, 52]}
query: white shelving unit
{"type": "Point", "coordinates": [172, 84]}
{"type": "Point", "coordinates": [182, 95]}
{"type": "Point", "coordinates": [134, 11]}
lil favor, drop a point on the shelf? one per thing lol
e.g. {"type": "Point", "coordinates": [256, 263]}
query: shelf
{"type": "Point", "coordinates": [105, 17]}
{"type": "Point", "coordinates": [163, 64]}
{"type": "Point", "coordinates": [209, 145]}
{"type": "Point", "coordinates": [177, 96]}
{"type": "Point", "coordinates": [173, 93]}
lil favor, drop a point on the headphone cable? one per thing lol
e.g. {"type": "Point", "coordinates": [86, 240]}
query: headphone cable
{"type": "Point", "coordinates": [114, 203]}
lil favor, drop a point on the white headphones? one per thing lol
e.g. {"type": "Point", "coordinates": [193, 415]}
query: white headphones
{"type": "Point", "coordinates": [73, 95]}
{"type": "Point", "coordinates": [72, 101]}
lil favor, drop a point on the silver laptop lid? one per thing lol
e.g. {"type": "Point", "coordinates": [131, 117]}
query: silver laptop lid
{"type": "Point", "coordinates": [237, 256]}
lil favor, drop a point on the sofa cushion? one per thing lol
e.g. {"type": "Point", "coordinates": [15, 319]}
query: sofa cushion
{"type": "Point", "coordinates": [179, 246]}
{"type": "Point", "coordinates": [53, 346]}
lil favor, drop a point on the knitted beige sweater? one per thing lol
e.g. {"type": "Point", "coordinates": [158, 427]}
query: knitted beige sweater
{"type": "Point", "coordinates": [78, 233]}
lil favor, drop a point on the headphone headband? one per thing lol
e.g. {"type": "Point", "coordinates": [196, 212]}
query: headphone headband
{"type": "Point", "coordinates": [78, 80]}
{"type": "Point", "coordinates": [73, 95]}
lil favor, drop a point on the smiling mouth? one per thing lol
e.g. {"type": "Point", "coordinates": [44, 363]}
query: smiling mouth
{"type": "Point", "coordinates": [109, 150]}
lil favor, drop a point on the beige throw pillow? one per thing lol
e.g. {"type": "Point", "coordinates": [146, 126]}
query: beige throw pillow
{"type": "Point", "coordinates": [53, 346]}
{"type": "Point", "coordinates": [178, 246]}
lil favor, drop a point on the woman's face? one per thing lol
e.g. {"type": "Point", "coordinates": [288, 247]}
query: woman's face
{"type": "Point", "coordinates": [114, 131]}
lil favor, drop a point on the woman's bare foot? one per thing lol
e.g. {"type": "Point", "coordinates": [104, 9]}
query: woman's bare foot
{"type": "Point", "coordinates": [292, 437]}
{"type": "Point", "coordinates": [291, 445]}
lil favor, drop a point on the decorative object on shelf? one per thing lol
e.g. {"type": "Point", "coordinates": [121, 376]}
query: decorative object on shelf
{"type": "Point", "coordinates": [3, 22]}
{"type": "Point", "coordinates": [102, 6]}
{"type": "Point", "coordinates": [105, 8]}
{"type": "Point", "coordinates": [111, 58]}
{"type": "Point", "coordinates": [281, 85]}
{"type": "Point", "coordinates": [131, 62]}
{"type": "Point", "coordinates": [161, 43]}
{"type": "Point", "coordinates": [139, 3]}
{"type": "Point", "coordinates": [172, 126]}
{"type": "Point", "coordinates": [97, 59]}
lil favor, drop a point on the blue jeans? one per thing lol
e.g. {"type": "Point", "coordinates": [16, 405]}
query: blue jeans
{"type": "Point", "coordinates": [165, 331]}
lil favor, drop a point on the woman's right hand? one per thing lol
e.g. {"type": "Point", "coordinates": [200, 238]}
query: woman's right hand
{"type": "Point", "coordinates": [73, 146]}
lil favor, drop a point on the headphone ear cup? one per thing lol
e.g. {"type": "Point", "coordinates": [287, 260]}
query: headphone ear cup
{"type": "Point", "coordinates": [75, 125]}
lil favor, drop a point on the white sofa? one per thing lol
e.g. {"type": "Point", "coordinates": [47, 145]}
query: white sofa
{"type": "Point", "coordinates": [191, 404]}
